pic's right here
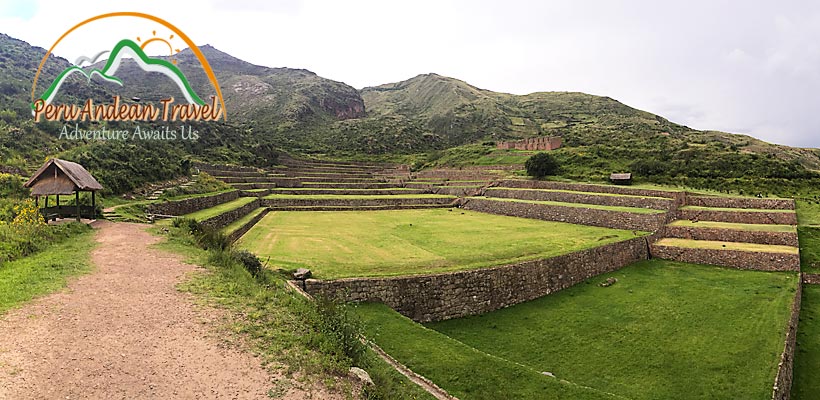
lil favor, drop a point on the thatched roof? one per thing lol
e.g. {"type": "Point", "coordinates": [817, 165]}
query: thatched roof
{"type": "Point", "coordinates": [61, 177]}
{"type": "Point", "coordinates": [620, 177]}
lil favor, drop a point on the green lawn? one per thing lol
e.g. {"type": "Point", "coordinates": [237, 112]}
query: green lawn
{"type": "Point", "coordinates": [700, 208]}
{"type": "Point", "coordinates": [459, 369]}
{"type": "Point", "coordinates": [581, 192]}
{"type": "Point", "coordinates": [636, 210]}
{"type": "Point", "coordinates": [734, 226]}
{"type": "Point", "coordinates": [204, 214]}
{"type": "Point", "coordinates": [383, 243]}
{"type": "Point", "coordinates": [808, 213]}
{"type": "Point", "coordinates": [45, 271]}
{"type": "Point", "coordinates": [356, 196]}
{"type": "Point", "coordinates": [665, 330]}
{"type": "Point", "coordinates": [806, 386]}
{"type": "Point", "coordinates": [809, 238]}
{"type": "Point", "coordinates": [242, 221]}
{"type": "Point", "coordinates": [717, 245]}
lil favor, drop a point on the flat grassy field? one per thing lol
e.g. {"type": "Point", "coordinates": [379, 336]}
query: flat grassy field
{"type": "Point", "coordinates": [665, 330]}
{"type": "Point", "coordinates": [356, 196]}
{"type": "Point", "coordinates": [202, 215]}
{"type": "Point", "coordinates": [806, 386]}
{"type": "Point", "coordinates": [716, 245]}
{"type": "Point", "coordinates": [384, 243]}
{"type": "Point", "coordinates": [636, 210]}
{"type": "Point", "coordinates": [734, 226]}
{"type": "Point", "coordinates": [46, 271]}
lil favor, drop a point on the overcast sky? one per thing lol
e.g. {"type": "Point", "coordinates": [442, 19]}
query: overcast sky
{"type": "Point", "coordinates": [739, 66]}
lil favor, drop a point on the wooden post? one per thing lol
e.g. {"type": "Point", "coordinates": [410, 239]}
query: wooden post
{"type": "Point", "coordinates": [58, 206]}
{"type": "Point", "coordinates": [46, 201]}
{"type": "Point", "coordinates": [77, 199]}
{"type": "Point", "coordinates": [93, 206]}
{"type": "Point", "coordinates": [37, 201]}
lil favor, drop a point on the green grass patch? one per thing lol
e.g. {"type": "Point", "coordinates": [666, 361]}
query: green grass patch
{"type": "Point", "coordinates": [805, 385]}
{"type": "Point", "coordinates": [356, 197]}
{"type": "Point", "coordinates": [665, 330]}
{"type": "Point", "coordinates": [463, 371]}
{"type": "Point", "coordinates": [233, 226]}
{"type": "Point", "coordinates": [46, 271]}
{"type": "Point", "coordinates": [701, 208]}
{"type": "Point", "coordinates": [717, 245]}
{"type": "Point", "coordinates": [387, 243]}
{"type": "Point", "coordinates": [809, 238]}
{"type": "Point", "coordinates": [734, 226]}
{"type": "Point", "coordinates": [202, 215]}
{"type": "Point", "coordinates": [636, 210]}
{"type": "Point", "coordinates": [581, 193]}
{"type": "Point", "coordinates": [808, 213]}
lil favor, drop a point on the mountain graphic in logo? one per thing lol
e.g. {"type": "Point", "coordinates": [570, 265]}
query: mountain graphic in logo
{"type": "Point", "coordinates": [126, 47]}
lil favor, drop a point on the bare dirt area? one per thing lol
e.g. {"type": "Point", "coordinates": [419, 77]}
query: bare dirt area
{"type": "Point", "coordinates": [124, 331]}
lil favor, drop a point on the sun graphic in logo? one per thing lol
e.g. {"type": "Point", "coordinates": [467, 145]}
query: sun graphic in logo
{"type": "Point", "coordinates": [167, 42]}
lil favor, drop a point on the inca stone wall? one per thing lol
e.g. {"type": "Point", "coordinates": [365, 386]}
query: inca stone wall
{"type": "Point", "coordinates": [732, 235]}
{"type": "Point", "coordinates": [762, 261]}
{"type": "Point", "coordinates": [342, 202]}
{"type": "Point", "coordinates": [569, 197]}
{"type": "Point", "coordinates": [782, 387]}
{"type": "Point", "coordinates": [575, 215]}
{"type": "Point", "coordinates": [222, 220]}
{"type": "Point", "coordinates": [731, 202]}
{"type": "Point", "coordinates": [235, 235]}
{"type": "Point", "coordinates": [187, 206]}
{"type": "Point", "coordinates": [742, 217]}
{"type": "Point", "coordinates": [811, 279]}
{"type": "Point", "coordinates": [426, 298]}
{"type": "Point", "coordinates": [586, 187]}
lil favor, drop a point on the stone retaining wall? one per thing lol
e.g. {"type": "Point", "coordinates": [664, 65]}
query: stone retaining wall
{"type": "Point", "coordinates": [336, 180]}
{"type": "Point", "coordinates": [426, 298]}
{"type": "Point", "coordinates": [348, 185]}
{"type": "Point", "coordinates": [235, 235]}
{"type": "Point", "coordinates": [214, 167]}
{"type": "Point", "coordinates": [781, 390]}
{"type": "Point", "coordinates": [732, 235]}
{"type": "Point", "coordinates": [349, 192]}
{"type": "Point", "coordinates": [732, 202]}
{"type": "Point", "coordinates": [360, 208]}
{"type": "Point", "coordinates": [588, 187]}
{"type": "Point", "coordinates": [604, 200]}
{"type": "Point", "coordinates": [753, 260]}
{"type": "Point", "coordinates": [742, 217]}
{"type": "Point", "coordinates": [187, 206]}
{"type": "Point", "coordinates": [248, 193]}
{"type": "Point", "coordinates": [811, 279]}
{"type": "Point", "coordinates": [248, 186]}
{"type": "Point", "coordinates": [458, 191]}
{"type": "Point", "coordinates": [574, 215]}
{"type": "Point", "coordinates": [222, 220]}
{"type": "Point", "coordinates": [342, 202]}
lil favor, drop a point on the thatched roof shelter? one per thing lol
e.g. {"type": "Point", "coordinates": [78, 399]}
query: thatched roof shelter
{"type": "Point", "coordinates": [61, 177]}
{"type": "Point", "coordinates": [621, 179]}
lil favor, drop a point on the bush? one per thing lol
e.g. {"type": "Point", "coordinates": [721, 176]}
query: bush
{"type": "Point", "coordinates": [541, 165]}
{"type": "Point", "coordinates": [250, 261]}
{"type": "Point", "coordinates": [336, 332]}
{"type": "Point", "coordinates": [206, 237]}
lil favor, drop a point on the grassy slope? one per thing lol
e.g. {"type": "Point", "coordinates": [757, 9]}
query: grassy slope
{"type": "Point", "coordinates": [716, 245]}
{"type": "Point", "coordinates": [242, 221]}
{"type": "Point", "coordinates": [383, 243]}
{"type": "Point", "coordinates": [665, 330]}
{"type": "Point", "coordinates": [635, 210]}
{"type": "Point", "coordinates": [460, 369]}
{"type": "Point", "coordinates": [806, 386]}
{"type": "Point", "coordinates": [734, 226]}
{"type": "Point", "coordinates": [45, 271]}
{"type": "Point", "coordinates": [202, 215]}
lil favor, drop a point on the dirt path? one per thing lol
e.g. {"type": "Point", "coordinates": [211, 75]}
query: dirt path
{"type": "Point", "coordinates": [124, 331]}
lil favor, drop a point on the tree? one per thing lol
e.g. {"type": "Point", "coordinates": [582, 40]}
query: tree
{"type": "Point", "coordinates": [541, 165]}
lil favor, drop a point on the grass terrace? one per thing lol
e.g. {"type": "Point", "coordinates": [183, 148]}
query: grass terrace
{"type": "Point", "coordinates": [362, 197]}
{"type": "Point", "coordinates": [407, 242]}
{"type": "Point", "coordinates": [202, 215]}
{"type": "Point", "coordinates": [636, 210]}
{"type": "Point", "coordinates": [734, 226]}
{"type": "Point", "coordinates": [806, 386]}
{"type": "Point", "coordinates": [308, 189]}
{"type": "Point", "coordinates": [700, 208]}
{"type": "Point", "coordinates": [233, 226]}
{"type": "Point", "coordinates": [665, 330]}
{"type": "Point", "coordinates": [716, 245]}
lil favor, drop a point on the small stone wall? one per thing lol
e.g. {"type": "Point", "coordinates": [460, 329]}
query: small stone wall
{"type": "Point", "coordinates": [573, 215]}
{"type": "Point", "coordinates": [811, 279]}
{"type": "Point", "coordinates": [588, 187]}
{"type": "Point", "coordinates": [222, 220]}
{"type": "Point", "coordinates": [737, 202]}
{"type": "Point", "coordinates": [360, 208]}
{"type": "Point", "coordinates": [248, 193]}
{"type": "Point", "coordinates": [732, 235]}
{"type": "Point", "coordinates": [458, 191]}
{"type": "Point", "coordinates": [187, 206]}
{"type": "Point", "coordinates": [235, 235]}
{"type": "Point", "coordinates": [742, 217]}
{"type": "Point", "coordinates": [342, 202]}
{"type": "Point", "coordinates": [753, 260]}
{"type": "Point", "coordinates": [258, 185]}
{"type": "Point", "coordinates": [348, 185]}
{"type": "Point", "coordinates": [458, 174]}
{"type": "Point", "coordinates": [604, 200]}
{"type": "Point", "coordinates": [336, 180]}
{"type": "Point", "coordinates": [781, 390]}
{"type": "Point", "coordinates": [426, 298]}
{"type": "Point", "coordinates": [348, 192]}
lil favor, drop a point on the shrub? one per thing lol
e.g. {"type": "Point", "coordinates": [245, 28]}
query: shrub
{"type": "Point", "coordinates": [541, 165]}
{"type": "Point", "coordinates": [250, 261]}
{"type": "Point", "coordinates": [335, 331]}
{"type": "Point", "coordinates": [206, 237]}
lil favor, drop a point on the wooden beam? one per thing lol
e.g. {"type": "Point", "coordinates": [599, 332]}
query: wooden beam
{"type": "Point", "coordinates": [77, 199]}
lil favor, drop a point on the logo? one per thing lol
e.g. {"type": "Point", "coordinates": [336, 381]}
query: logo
{"type": "Point", "coordinates": [190, 108]}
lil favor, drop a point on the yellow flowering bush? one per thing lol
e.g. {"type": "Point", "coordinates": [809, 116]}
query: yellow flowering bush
{"type": "Point", "coordinates": [27, 215]}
